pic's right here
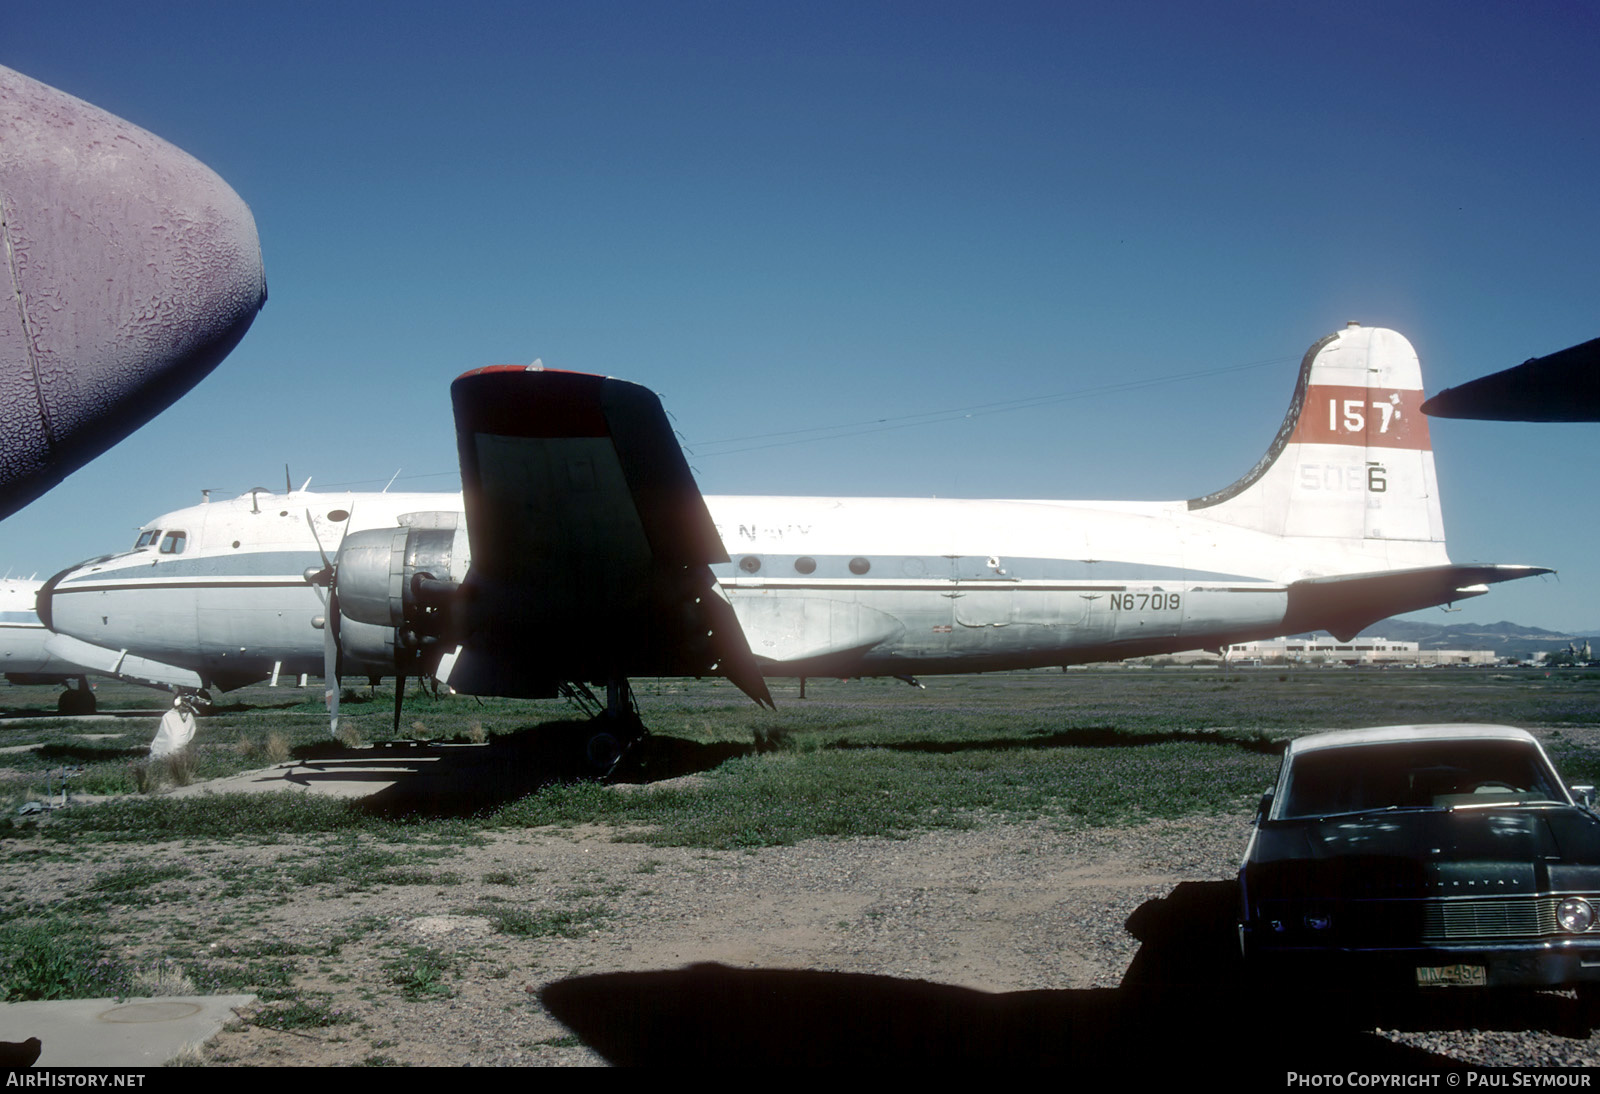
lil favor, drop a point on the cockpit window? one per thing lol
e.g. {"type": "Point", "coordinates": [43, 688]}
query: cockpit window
{"type": "Point", "coordinates": [174, 542]}
{"type": "Point", "coordinates": [147, 537]}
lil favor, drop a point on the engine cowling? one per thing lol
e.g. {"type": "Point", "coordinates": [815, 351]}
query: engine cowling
{"type": "Point", "coordinates": [394, 587]}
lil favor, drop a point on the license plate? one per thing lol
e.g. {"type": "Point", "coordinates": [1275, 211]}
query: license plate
{"type": "Point", "coordinates": [1452, 976]}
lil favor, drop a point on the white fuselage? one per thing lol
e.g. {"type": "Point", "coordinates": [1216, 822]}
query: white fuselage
{"type": "Point", "coordinates": [843, 586]}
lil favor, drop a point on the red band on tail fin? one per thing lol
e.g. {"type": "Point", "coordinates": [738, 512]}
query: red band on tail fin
{"type": "Point", "coordinates": [1364, 417]}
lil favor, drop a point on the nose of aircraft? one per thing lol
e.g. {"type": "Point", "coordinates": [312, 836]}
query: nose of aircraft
{"type": "Point", "coordinates": [129, 271]}
{"type": "Point", "coordinates": [44, 601]}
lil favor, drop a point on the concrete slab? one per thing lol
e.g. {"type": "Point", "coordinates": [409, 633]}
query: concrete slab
{"type": "Point", "coordinates": [112, 1033]}
{"type": "Point", "coordinates": [360, 773]}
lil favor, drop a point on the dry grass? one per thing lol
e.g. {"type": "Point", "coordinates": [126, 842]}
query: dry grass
{"type": "Point", "coordinates": [146, 780]}
{"type": "Point", "coordinates": [163, 978]}
{"type": "Point", "coordinates": [178, 768]}
{"type": "Point", "coordinates": [192, 1055]}
{"type": "Point", "coordinates": [276, 747]}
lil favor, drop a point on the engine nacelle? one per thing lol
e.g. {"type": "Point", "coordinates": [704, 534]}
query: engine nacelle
{"type": "Point", "coordinates": [378, 575]}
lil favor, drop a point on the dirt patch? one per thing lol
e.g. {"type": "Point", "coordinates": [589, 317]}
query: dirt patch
{"type": "Point", "coordinates": [405, 953]}
{"type": "Point", "coordinates": [997, 910]}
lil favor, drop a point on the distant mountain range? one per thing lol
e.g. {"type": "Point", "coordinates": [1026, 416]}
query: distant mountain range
{"type": "Point", "coordinates": [1504, 638]}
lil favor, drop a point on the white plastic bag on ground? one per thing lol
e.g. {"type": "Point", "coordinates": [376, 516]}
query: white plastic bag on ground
{"type": "Point", "coordinates": [177, 730]}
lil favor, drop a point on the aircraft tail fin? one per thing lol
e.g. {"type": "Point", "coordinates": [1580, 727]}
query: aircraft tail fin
{"type": "Point", "coordinates": [1352, 465]}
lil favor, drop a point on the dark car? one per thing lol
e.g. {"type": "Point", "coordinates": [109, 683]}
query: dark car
{"type": "Point", "coordinates": [1423, 857]}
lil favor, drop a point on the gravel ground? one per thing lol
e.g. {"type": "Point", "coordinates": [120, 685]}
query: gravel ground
{"type": "Point", "coordinates": [999, 944]}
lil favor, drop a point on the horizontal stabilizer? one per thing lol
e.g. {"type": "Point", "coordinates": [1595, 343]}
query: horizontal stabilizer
{"type": "Point", "coordinates": [121, 664]}
{"type": "Point", "coordinates": [1344, 604]}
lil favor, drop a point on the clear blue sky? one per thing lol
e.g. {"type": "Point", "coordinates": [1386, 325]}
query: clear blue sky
{"type": "Point", "coordinates": [785, 216]}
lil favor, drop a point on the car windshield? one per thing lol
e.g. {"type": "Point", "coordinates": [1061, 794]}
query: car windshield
{"type": "Point", "coordinates": [1417, 775]}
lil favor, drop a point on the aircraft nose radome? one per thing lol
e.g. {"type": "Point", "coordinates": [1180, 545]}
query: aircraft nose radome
{"type": "Point", "coordinates": [130, 270]}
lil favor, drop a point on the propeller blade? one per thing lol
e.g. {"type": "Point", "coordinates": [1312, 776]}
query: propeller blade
{"type": "Point", "coordinates": [330, 673]}
{"type": "Point", "coordinates": [317, 579]}
{"type": "Point", "coordinates": [331, 653]}
{"type": "Point", "coordinates": [399, 697]}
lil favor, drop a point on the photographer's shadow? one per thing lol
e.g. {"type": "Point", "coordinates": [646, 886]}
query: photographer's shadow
{"type": "Point", "coordinates": [1184, 1003]}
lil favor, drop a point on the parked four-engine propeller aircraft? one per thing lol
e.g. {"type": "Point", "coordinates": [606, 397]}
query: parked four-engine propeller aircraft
{"type": "Point", "coordinates": [581, 552]}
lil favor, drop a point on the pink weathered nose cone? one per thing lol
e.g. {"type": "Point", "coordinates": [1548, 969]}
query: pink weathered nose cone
{"type": "Point", "coordinates": [128, 269]}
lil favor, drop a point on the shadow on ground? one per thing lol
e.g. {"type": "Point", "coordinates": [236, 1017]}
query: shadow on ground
{"type": "Point", "coordinates": [1183, 1005]}
{"type": "Point", "coordinates": [449, 780]}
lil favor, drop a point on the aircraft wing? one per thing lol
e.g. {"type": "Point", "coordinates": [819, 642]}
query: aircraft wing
{"type": "Point", "coordinates": [1559, 387]}
{"type": "Point", "coordinates": [591, 544]}
{"type": "Point", "coordinates": [1345, 603]}
{"type": "Point", "coordinates": [130, 271]}
{"type": "Point", "coordinates": [121, 664]}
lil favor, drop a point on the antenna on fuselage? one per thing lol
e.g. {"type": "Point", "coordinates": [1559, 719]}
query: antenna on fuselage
{"type": "Point", "coordinates": [390, 483]}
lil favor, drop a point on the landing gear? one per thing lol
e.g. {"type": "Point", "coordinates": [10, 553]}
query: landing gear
{"type": "Point", "coordinates": [603, 752]}
{"type": "Point", "coordinates": [77, 700]}
{"type": "Point", "coordinates": [614, 729]}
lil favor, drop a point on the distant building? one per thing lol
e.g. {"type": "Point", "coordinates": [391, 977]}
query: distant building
{"type": "Point", "coordinates": [1360, 651]}
{"type": "Point", "coordinates": [1329, 651]}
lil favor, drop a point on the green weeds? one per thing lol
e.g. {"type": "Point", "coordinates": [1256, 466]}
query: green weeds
{"type": "Point", "coordinates": [420, 973]}
{"type": "Point", "coordinates": [543, 922]}
{"type": "Point", "coordinates": [141, 883]}
{"type": "Point", "coordinates": [299, 1014]}
{"type": "Point", "coordinates": [353, 868]}
{"type": "Point", "coordinates": [52, 959]}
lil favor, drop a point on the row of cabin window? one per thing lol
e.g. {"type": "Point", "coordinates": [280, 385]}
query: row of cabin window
{"type": "Point", "coordinates": [172, 543]}
{"type": "Point", "coordinates": [803, 565]}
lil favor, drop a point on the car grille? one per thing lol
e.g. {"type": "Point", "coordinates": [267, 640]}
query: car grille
{"type": "Point", "coordinates": [1445, 921]}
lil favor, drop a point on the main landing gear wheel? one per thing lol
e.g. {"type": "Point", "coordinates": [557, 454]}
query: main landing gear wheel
{"type": "Point", "coordinates": [76, 701]}
{"type": "Point", "coordinates": [614, 727]}
{"type": "Point", "coordinates": [603, 752]}
{"type": "Point", "coordinates": [609, 742]}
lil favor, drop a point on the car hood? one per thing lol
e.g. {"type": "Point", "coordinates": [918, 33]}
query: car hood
{"type": "Point", "coordinates": [1463, 852]}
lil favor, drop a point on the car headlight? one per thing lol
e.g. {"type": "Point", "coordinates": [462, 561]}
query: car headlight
{"type": "Point", "coordinates": [1575, 915]}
